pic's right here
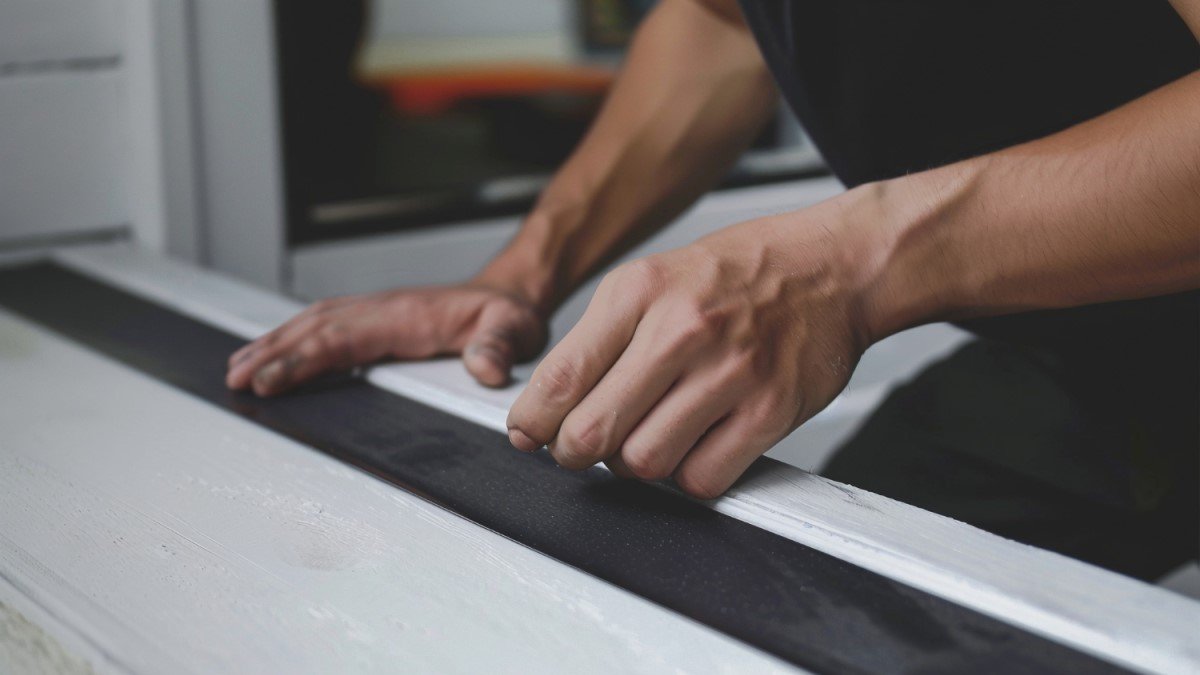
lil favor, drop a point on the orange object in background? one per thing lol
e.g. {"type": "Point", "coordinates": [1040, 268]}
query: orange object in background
{"type": "Point", "coordinates": [433, 91]}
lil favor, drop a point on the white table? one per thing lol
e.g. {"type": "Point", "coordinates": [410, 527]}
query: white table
{"type": "Point", "coordinates": [231, 548]}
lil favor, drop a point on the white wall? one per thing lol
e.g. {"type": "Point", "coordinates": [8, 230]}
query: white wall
{"type": "Point", "coordinates": [62, 111]}
{"type": "Point", "coordinates": [95, 123]}
{"type": "Point", "coordinates": [42, 30]}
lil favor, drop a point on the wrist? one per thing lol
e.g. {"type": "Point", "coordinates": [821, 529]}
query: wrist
{"type": "Point", "coordinates": [530, 266]}
{"type": "Point", "coordinates": [912, 270]}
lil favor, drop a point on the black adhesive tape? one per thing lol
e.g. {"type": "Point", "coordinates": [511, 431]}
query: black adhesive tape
{"type": "Point", "coordinates": [807, 607]}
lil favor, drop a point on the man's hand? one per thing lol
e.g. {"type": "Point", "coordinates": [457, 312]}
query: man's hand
{"type": "Point", "coordinates": [693, 67]}
{"type": "Point", "coordinates": [492, 329]}
{"type": "Point", "coordinates": [694, 362]}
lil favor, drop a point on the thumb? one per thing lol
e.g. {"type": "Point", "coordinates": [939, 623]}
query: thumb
{"type": "Point", "coordinates": [502, 335]}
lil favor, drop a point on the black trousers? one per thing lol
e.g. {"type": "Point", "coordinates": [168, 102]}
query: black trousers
{"type": "Point", "coordinates": [1095, 458]}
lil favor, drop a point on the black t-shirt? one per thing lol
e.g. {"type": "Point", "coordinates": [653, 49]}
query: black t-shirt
{"type": "Point", "coordinates": [889, 87]}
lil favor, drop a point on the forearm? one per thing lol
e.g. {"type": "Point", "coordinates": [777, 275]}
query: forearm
{"type": "Point", "coordinates": [692, 95]}
{"type": "Point", "coordinates": [1107, 210]}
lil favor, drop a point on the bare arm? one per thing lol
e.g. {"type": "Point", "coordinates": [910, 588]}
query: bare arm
{"type": "Point", "coordinates": [692, 94]}
{"type": "Point", "coordinates": [1106, 210]}
{"type": "Point", "coordinates": [694, 362]}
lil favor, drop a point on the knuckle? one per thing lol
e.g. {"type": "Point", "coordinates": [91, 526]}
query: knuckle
{"type": "Point", "coordinates": [698, 323]}
{"type": "Point", "coordinates": [635, 277]}
{"type": "Point", "coordinates": [336, 342]}
{"type": "Point", "coordinates": [698, 483]}
{"type": "Point", "coordinates": [309, 349]}
{"type": "Point", "coordinates": [581, 444]}
{"type": "Point", "coordinates": [647, 272]}
{"type": "Point", "coordinates": [644, 463]}
{"type": "Point", "coordinates": [737, 370]}
{"type": "Point", "coordinates": [557, 379]}
{"type": "Point", "coordinates": [760, 416]}
{"type": "Point", "coordinates": [773, 411]}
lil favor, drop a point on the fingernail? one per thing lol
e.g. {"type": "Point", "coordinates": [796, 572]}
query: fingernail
{"type": "Point", "coordinates": [520, 441]}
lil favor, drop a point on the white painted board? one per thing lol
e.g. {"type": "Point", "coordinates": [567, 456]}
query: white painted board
{"type": "Point", "coordinates": [179, 538]}
{"type": "Point", "coordinates": [1099, 612]}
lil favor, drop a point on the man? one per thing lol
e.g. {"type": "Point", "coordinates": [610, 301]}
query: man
{"type": "Point", "coordinates": [1030, 168]}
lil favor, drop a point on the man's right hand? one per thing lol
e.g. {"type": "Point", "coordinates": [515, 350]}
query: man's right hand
{"type": "Point", "coordinates": [490, 328]}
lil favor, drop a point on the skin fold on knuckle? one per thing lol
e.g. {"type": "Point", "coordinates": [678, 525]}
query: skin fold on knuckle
{"type": "Point", "coordinates": [337, 346]}
{"type": "Point", "coordinates": [638, 281]}
{"type": "Point", "coordinates": [647, 274]}
{"type": "Point", "coordinates": [644, 463]}
{"type": "Point", "coordinates": [776, 410]}
{"type": "Point", "coordinates": [556, 380]}
{"type": "Point", "coordinates": [580, 444]}
{"type": "Point", "coordinates": [692, 329]}
{"type": "Point", "coordinates": [700, 483]}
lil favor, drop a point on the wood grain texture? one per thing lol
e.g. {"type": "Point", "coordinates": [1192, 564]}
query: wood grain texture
{"type": "Point", "coordinates": [1100, 612]}
{"type": "Point", "coordinates": [805, 606]}
{"type": "Point", "coordinates": [178, 538]}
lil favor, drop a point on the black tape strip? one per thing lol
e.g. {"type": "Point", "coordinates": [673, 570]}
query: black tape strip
{"type": "Point", "coordinates": [805, 606]}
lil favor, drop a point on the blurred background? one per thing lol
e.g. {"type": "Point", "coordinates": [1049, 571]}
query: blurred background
{"type": "Point", "coordinates": [405, 113]}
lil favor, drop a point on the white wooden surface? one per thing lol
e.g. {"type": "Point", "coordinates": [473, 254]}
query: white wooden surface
{"type": "Point", "coordinates": [178, 538]}
{"type": "Point", "coordinates": [1100, 612]}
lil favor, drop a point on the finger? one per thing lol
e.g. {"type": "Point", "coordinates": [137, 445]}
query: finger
{"type": "Point", "coordinates": [271, 337]}
{"type": "Point", "coordinates": [338, 345]}
{"type": "Point", "coordinates": [617, 466]}
{"type": "Point", "coordinates": [503, 336]}
{"type": "Point", "coordinates": [660, 441]}
{"type": "Point", "coordinates": [269, 348]}
{"type": "Point", "coordinates": [572, 368]}
{"type": "Point", "coordinates": [261, 341]}
{"type": "Point", "coordinates": [600, 423]}
{"type": "Point", "coordinates": [722, 455]}
{"type": "Point", "coordinates": [319, 352]}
